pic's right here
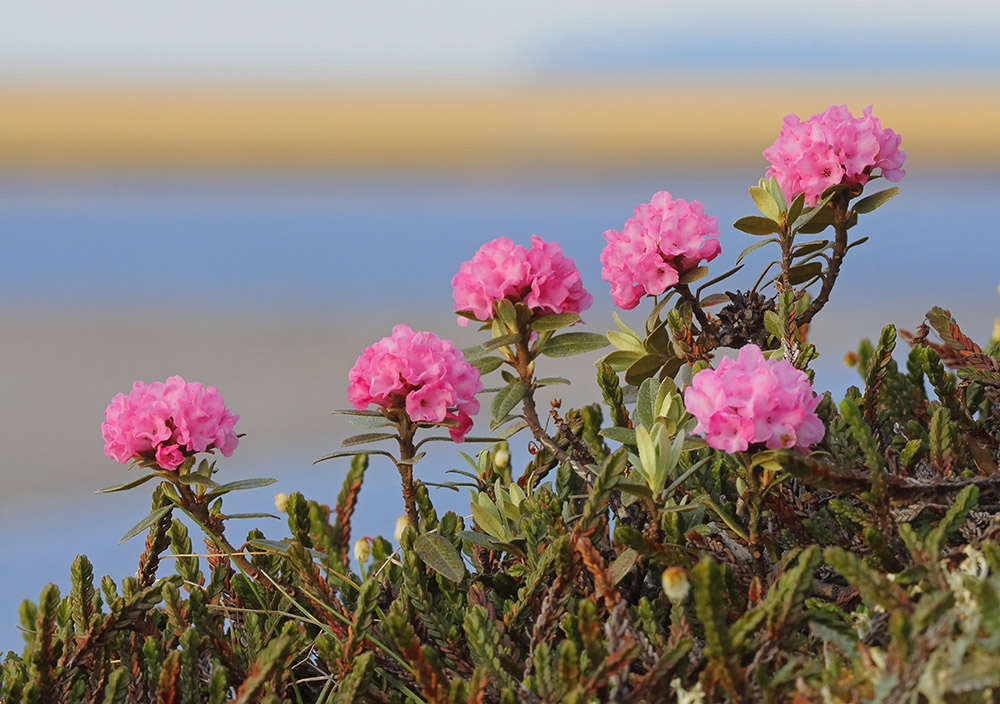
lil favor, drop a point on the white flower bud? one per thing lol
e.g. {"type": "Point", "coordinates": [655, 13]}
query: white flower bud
{"type": "Point", "coordinates": [675, 584]}
{"type": "Point", "coordinates": [401, 524]}
{"type": "Point", "coordinates": [501, 458]}
{"type": "Point", "coordinates": [281, 502]}
{"type": "Point", "coordinates": [362, 550]}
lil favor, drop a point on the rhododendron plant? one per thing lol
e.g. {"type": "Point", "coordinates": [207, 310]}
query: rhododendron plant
{"type": "Point", "coordinates": [663, 240]}
{"type": "Point", "coordinates": [168, 422]}
{"type": "Point", "coordinates": [420, 373]}
{"type": "Point", "coordinates": [754, 400]}
{"type": "Point", "coordinates": [831, 148]}
{"type": "Point", "coordinates": [805, 531]}
{"type": "Point", "coordinates": [541, 278]}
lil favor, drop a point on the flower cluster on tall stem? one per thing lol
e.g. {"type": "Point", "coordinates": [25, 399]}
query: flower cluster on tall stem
{"type": "Point", "coordinates": [417, 380]}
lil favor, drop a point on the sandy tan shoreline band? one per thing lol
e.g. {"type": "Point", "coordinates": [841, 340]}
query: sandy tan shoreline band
{"type": "Point", "coordinates": [578, 125]}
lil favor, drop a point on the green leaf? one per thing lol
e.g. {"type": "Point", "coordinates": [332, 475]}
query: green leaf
{"type": "Point", "coordinates": [626, 436]}
{"type": "Point", "coordinates": [805, 248]}
{"type": "Point", "coordinates": [551, 381]}
{"type": "Point", "coordinates": [147, 522]}
{"type": "Point", "coordinates": [642, 369]}
{"type": "Point", "coordinates": [240, 485]}
{"type": "Point", "coordinates": [485, 365]}
{"type": "Point", "coordinates": [477, 538]}
{"type": "Point", "coordinates": [696, 274]}
{"type": "Point", "coordinates": [505, 400]}
{"type": "Point", "coordinates": [765, 203]}
{"type": "Point", "coordinates": [869, 203]}
{"type": "Point", "coordinates": [367, 437]}
{"type": "Point", "coordinates": [554, 322]}
{"type": "Point", "coordinates": [197, 480]}
{"type": "Point", "coordinates": [714, 300]}
{"type": "Point", "coordinates": [772, 323]}
{"type": "Point", "coordinates": [506, 313]}
{"type": "Point", "coordinates": [625, 342]}
{"type": "Point", "coordinates": [814, 212]}
{"type": "Point", "coordinates": [251, 515]}
{"type": "Point", "coordinates": [709, 590]}
{"type": "Point", "coordinates": [264, 544]}
{"type": "Point", "coordinates": [622, 565]}
{"type": "Point", "coordinates": [352, 412]}
{"type": "Point", "coordinates": [127, 485]}
{"type": "Point", "coordinates": [635, 489]}
{"type": "Point", "coordinates": [800, 274]}
{"type": "Point", "coordinates": [795, 209]}
{"type": "Point", "coordinates": [354, 453]}
{"type": "Point", "coordinates": [755, 246]}
{"type": "Point", "coordinates": [488, 522]}
{"type": "Point", "coordinates": [620, 361]}
{"type": "Point", "coordinates": [756, 225]}
{"type": "Point", "coordinates": [500, 341]}
{"type": "Point", "coordinates": [440, 555]}
{"type": "Point", "coordinates": [645, 405]}
{"type": "Point", "coordinates": [572, 343]}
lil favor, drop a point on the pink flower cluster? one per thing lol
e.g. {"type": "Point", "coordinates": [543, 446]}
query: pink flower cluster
{"type": "Point", "coordinates": [753, 399]}
{"type": "Point", "coordinates": [167, 422]}
{"type": "Point", "coordinates": [420, 372]}
{"type": "Point", "coordinates": [540, 277]}
{"type": "Point", "coordinates": [662, 240]}
{"type": "Point", "coordinates": [830, 148]}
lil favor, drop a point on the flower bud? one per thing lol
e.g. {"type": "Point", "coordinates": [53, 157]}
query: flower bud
{"type": "Point", "coordinates": [362, 550]}
{"type": "Point", "coordinates": [281, 502]}
{"type": "Point", "coordinates": [501, 458]}
{"type": "Point", "coordinates": [401, 524]}
{"type": "Point", "coordinates": [675, 584]}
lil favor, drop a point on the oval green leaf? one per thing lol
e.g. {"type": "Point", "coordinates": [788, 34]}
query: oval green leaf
{"type": "Point", "coordinates": [572, 343]}
{"type": "Point", "coordinates": [440, 555]}
{"type": "Point", "coordinates": [756, 225]}
{"type": "Point", "coordinates": [554, 322]}
{"type": "Point", "coordinates": [505, 400]}
{"type": "Point", "coordinates": [366, 437]}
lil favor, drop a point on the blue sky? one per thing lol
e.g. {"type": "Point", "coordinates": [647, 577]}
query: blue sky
{"type": "Point", "coordinates": [258, 39]}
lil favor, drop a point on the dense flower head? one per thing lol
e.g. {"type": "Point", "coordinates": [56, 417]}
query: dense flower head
{"type": "Point", "coordinates": [752, 399]}
{"type": "Point", "coordinates": [167, 422]}
{"type": "Point", "coordinates": [421, 373]}
{"type": "Point", "coordinates": [831, 148]}
{"type": "Point", "coordinates": [540, 277]}
{"type": "Point", "coordinates": [663, 240]}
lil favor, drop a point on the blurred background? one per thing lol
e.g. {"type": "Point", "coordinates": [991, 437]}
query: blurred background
{"type": "Point", "coordinates": [247, 193]}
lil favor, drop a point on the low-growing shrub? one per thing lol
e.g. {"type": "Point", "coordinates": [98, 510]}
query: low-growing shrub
{"type": "Point", "coordinates": [713, 530]}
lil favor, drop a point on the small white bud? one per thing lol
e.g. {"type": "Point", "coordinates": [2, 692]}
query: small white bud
{"type": "Point", "coordinates": [281, 502]}
{"type": "Point", "coordinates": [501, 458]}
{"type": "Point", "coordinates": [362, 550]}
{"type": "Point", "coordinates": [401, 524]}
{"type": "Point", "coordinates": [675, 584]}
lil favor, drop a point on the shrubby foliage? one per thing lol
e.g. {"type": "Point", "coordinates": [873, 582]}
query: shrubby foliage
{"type": "Point", "coordinates": [809, 551]}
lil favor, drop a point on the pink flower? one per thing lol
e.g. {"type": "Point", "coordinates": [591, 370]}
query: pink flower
{"type": "Point", "coordinates": [751, 400]}
{"type": "Point", "coordinates": [167, 422]}
{"type": "Point", "coordinates": [420, 373]}
{"type": "Point", "coordinates": [663, 240]}
{"type": "Point", "coordinates": [831, 148]}
{"type": "Point", "coordinates": [540, 277]}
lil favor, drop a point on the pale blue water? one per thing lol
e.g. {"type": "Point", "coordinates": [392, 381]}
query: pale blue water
{"type": "Point", "coordinates": [317, 244]}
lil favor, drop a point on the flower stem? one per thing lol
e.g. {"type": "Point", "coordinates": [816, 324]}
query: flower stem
{"type": "Point", "coordinates": [407, 451]}
{"type": "Point", "coordinates": [523, 357]}
{"type": "Point", "coordinates": [841, 215]}
{"type": "Point", "coordinates": [214, 526]}
{"type": "Point", "coordinates": [685, 292]}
